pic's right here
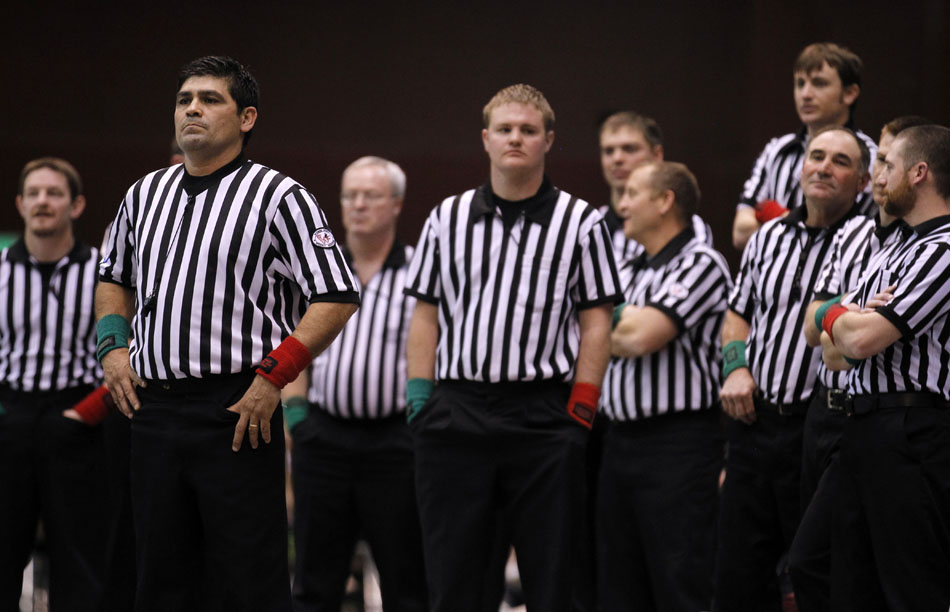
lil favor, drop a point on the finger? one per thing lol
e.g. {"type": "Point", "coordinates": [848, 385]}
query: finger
{"type": "Point", "coordinates": [239, 430]}
{"type": "Point", "coordinates": [253, 431]}
{"type": "Point", "coordinates": [265, 430]}
{"type": "Point", "coordinates": [118, 396]}
{"type": "Point", "coordinates": [747, 409]}
{"type": "Point", "coordinates": [136, 379]}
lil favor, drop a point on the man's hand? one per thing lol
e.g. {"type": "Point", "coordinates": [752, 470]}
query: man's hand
{"type": "Point", "coordinates": [256, 408]}
{"type": "Point", "coordinates": [121, 380]}
{"type": "Point", "coordinates": [737, 393]}
{"type": "Point", "coordinates": [880, 299]}
{"type": "Point", "coordinates": [69, 413]}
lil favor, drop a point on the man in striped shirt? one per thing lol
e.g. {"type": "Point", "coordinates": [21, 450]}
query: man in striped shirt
{"type": "Point", "coordinates": [515, 282]}
{"type": "Point", "coordinates": [769, 371]}
{"type": "Point", "coordinates": [827, 83]}
{"type": "Point", "coordinates": [658, 492]}
{"type": "Point", "coordinates": [352, 454]}
{"type": "Point", "coordinates": [53, 461]}
{"type": "Point", "coordinates": [220, 284]}
{"type": "Point", "coordinates": [895, 325]}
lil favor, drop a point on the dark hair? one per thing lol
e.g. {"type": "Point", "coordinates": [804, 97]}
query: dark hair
{"type": "Point", "coordinates": [843, 60]}
{"type": "Point", "coordinates": [929, 144]}
{"type": "Point", "coordinates": [241, 83]}
{"type": "Point", "coordinates": [676, 177]}
{"type": "Point", "coordinates": [896, 126]}
{"type": "Point", "coordinates": [59, 165]}
{"type": "Point", "coordinates": [863, 148]}
{"type": "Point", "coordinates": [645, 125]}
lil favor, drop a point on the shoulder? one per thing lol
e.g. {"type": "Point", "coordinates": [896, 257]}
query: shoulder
{"type": "Point", "coordinates": [783, 145]}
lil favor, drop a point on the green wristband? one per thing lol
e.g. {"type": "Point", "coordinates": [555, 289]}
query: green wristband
{"type": "Point", "coordinates": [418, 391]}
{"type": "Point", "coordinates": [112, 332]}
{"type": "Point", "coordinates": [852, 360]}
{"type": "Point", "coordinates": [618, 309]}
{"type": "Point", "coordinates": [296, 409]}
{"type": "Point", "coordinates": [820, 313]}
{"type": "Point", "coordinates": [733, 357]}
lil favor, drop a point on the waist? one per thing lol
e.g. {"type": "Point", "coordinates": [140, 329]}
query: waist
{"type": "Point", "coordinates": [783, 409]}
{"type": "Point", "coordinates": [863, 404]}
{"type": "Point", "coordinates": [834, 400]}
{"type": "Point", "coordinates": [192, 386]}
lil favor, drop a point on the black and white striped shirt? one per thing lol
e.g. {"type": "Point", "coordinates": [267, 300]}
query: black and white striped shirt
{"type": "Point", "coordinates": [852, 250]}
{"type": "Point", "coordinates": [777, 173]}
{"type": "Point", "coordinates": [919, 266]}
{"type": "Point", "coordinates": [508, 296]}
{"type": "Point", "coordinates": [47, 320]}
{"type": "Point", "coordinates": [776, 283]}
{"type": "Point", "coordinates": [689, 282]}
{"type": "Point", "coordinates": [627, 249]}
{"type": "Point", "coordinates": [362, 374]}
{"type": "Point", "coordinates": [231, 261]}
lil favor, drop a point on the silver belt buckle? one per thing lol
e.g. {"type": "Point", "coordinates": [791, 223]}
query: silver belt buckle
{"type": "Point", "coordinates": [836, 399]}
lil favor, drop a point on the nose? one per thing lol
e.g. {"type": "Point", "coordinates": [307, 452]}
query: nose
{"type": "Point", "coordinates": [807, 92]}
{"type": "Point", "coordinates": [194, 108]}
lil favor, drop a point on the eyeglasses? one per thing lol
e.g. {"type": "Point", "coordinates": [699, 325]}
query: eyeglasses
{"type": "Point", "coordinates": [370, 197]}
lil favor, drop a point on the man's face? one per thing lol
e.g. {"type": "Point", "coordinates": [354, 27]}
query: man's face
{"type": "Point", "coordinates": [367, 202]}
{"type": "Point", "coordinates": [621, 150]}
{"type": "Point", "coordinates": [639, 207]}
{"type": "Point", "coordinates": [894, 183]}
{"type": "Point", "coordinates": [206, 117]}
{"type": "Point", "coordinates": [883, 146]}
{"type": "Point", "coordinates": [46, 205]}
{"type": "Point", "coordinates": [515, 139]}
{"type": "Point", "coordinates": [831, 173]}
{"type": "Point", "coordinates": [821, 100]}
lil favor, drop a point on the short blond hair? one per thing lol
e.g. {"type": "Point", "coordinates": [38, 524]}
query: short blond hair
{"type": "Point", "coordinates": [520, 94]}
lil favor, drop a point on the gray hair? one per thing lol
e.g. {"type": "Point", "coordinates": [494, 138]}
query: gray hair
{"type": "Point", "coordinates": [397, 178]}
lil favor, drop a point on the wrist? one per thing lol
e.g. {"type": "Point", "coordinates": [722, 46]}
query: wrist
{"type": "Point", "coordinates": [823, 310]}
{"type": "Point", "coordinates": [733, 357]}
{"type": "Point", "coordinates": [285, 363]}
{"type": "Point", "coordinates": [93, 408]}
{"type": "Point", "coordinates": [618, 311]}
{"type": "Point", "coordinates": [418, 392]}
{"type": "Point", "coordinates": [296, 410]}
{"type": "Point", "coordinates": [828, 322]}
{"type": "Point", "coordinates": [768, 210]}
{"type": "Point", "coordinates": [582, 405]}
{"type": "Point", "coordinates": [112, 332]}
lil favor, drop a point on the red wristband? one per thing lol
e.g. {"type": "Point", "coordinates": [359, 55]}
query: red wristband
{"type": "Point", "coordinates": [830, 316]}
{"type": "Point", "coordinates": [285, 363]}
{"type": "Point", "coordinates": [767, 210]}
{"type": "Point", "coordinates": [582, 406]}
{"type": "Point", "coordinates": [95, 406]}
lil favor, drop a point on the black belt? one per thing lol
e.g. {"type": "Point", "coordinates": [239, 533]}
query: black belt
{"type": "Point", "coordinates": [834, 399]}
{"type": "Point", "coordinates": [187, 386]}
{"type": "Point", "coordinates": [863, 404]}
{"type": "Point", "coordinates": [783, 409]}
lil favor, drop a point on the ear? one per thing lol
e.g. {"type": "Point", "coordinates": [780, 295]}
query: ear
{"type": "Point", "coordinates": [863, 182]}
{"type": "Point", "coordinates": [658, 152]}
{"type": "Point", "coordinates": [850, 93]}
{"type": "Point", "coordinates": [919, 173]}
{"type": "Point", "coordinates": [397, 206]}
{"type": "Point", "coordinates": [548, 140]}
{"type": "Point", "coordinates": [78, 205]}
{"type": "Point", "coordinates": [485, 139]}
{"type": "Point", "coordinates": [248, 118]}
{"type": "Point", "coordinates": [667, 202]}
{"type": "Point", "coordinates": [19, 206]}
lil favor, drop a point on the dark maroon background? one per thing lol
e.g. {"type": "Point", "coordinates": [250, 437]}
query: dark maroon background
{"type": "Point", "coordinates": [407, 81]}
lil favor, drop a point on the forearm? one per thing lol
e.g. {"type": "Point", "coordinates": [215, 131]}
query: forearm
{"type": "Point", "coordinates": [321, 323]}
{"type": "Point", "coordinates": [114, 299]}
{"type": "Point", "coordinates": [744, 226]}
{"type": "Point", "coordinates": [860, 335]}
{"type": "Point", "coordinates": [812, 333]}
{"type": "Point", "coordinates": [734, 327]}
{"type": "Point", "coordinates": [593, 354]}
{"type": "Point", "coordinates": [423, 340]}
{"type": "Point", "coordinates": [641, 331]}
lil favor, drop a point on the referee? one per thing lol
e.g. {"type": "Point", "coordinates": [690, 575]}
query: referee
{"type": "Point", "coordinates": [220, 284]}
{"type": "Point", "coordinates": [769, 372]}
{"type": "Point", "coordinates": [895, 458]}
{"type": "Point", "coordinates": [352, 456]}
{"type": "Point", "coordinates": [515, 282]}
{"type": "Point", "coordinates": [53, 461]}
{"type": "Point", "coordinates": [658, 494]}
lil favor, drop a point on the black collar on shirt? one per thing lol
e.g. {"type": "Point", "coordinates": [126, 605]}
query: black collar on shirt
{"type": "Point", "coordinates": [193, 185]}
{"type": "Point", "coordinates": [19, 254]}
{"type": "Point", "coordinates": [539, 208]}
{"type": "Point", "coordinates": [800, 213]}
{"type": "Point", "coordinates": [671, 248]}
{"type": "Point", "coordinates": [395, 259]}
{"type": "Point", "coordinates": [922, 229]}
{"type": "Point", "coordinates": [612, 219]}
{"type": "Point", "coordinates": [803, 132]}
{"type": "Point", "coordinates": [882, 232]}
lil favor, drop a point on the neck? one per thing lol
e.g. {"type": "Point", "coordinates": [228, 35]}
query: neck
{"type": "Point", "coordinates": [927, 207]}
{"type": "Point", "coordinates": [885, 218]}
{"type": "Point", "coordinates": [48, 249]}
{"type": "Point", "coordinates": [198, 164]}
{"type": "Point", "coordinates": [369, 252]}
{"type": "Point", "coordinates": [839, 120]}
{"type": "Point", "coordinates": [825, 216]}
{"type": "Point", "coordinates": [516, 187]}
{"type": "Point", "coordinates": [615, 195]}
{"type": "Point", "coordinates": [654, 240]}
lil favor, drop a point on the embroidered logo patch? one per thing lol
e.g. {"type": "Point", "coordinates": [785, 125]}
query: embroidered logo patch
{"type": "Point", "coordinates": [323, 238]}
{"type": "Point", "coordinates": [678, 291]}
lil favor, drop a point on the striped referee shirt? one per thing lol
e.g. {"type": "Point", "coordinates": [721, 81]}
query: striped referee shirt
{"type": "Point", "coordinates": [854, 245]}
{"type": "Point", "coordinates": [689, 282]}
{"type": "Point", "coordinates": [47, 320]}
{"type": "Point", "coordinates": [508, 296]}
{"type": "Point", "coordinates": [222, 266]}
{"type": "Point", "coordinates": [777, 173]}
{"type": "Point", "coordinates": [627, 249]}
{"type": "Point", "coordinates": [919, 266]}
{"type": "Point", "coordinates": [776, 283]}
{"type": "Point", "coordinates": [362, 374]}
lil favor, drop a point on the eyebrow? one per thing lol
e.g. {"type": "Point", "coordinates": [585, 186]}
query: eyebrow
{"type": "Point", "coordinates": [200, 92]}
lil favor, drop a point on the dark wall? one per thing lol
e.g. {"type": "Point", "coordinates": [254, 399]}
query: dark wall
{"type": "Point", "coordinates": [408, 81]}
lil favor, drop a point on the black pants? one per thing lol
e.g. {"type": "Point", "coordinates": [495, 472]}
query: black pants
{"type": "Point", "coordinates": [481, 448]}
{"type": "Point", "coordinates": [759, 511]}
{"type": "Point", "coordinates": [53, 468]}
{"type": "Point", "coordinates": [211, 524]}
{"type": "Point", "coordinates": [657, 507]}
{"type": "Point", "coordinates": [809, 559]}
{"type": "Point", "coordinates": [355, 479]}
{"type": "Point", "coordinates": [896, 466]}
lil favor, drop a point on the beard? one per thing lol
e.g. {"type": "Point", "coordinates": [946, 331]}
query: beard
{"type": "Point", "coordinates": [900, 200]}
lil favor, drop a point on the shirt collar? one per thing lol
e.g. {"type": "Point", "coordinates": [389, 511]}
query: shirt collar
{"type": "Point", "coordinates": [612, 219]}
{"type": "Point", "coordinates": [922, 229]}
{"type": "Point", "coordinates": [395, 259]}
{"type": "Point", "coordinates": [539, 208]}
{"type": "Point", "coordinates": [18, 253]}
{"type": "Point", "coordinates": [882, 232]}
{"type": "Point", "coordinates": [798, 215]}
{"type": "Point", "coordinates": [193, 185]}
{"type": "Point", "coordinates": [671, 248]}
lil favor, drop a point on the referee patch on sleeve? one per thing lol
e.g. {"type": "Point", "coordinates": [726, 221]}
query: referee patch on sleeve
{"type": "Point", "coordinates": [678, 291]}
{"type": "Point", "coordinates": [323, 238]}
